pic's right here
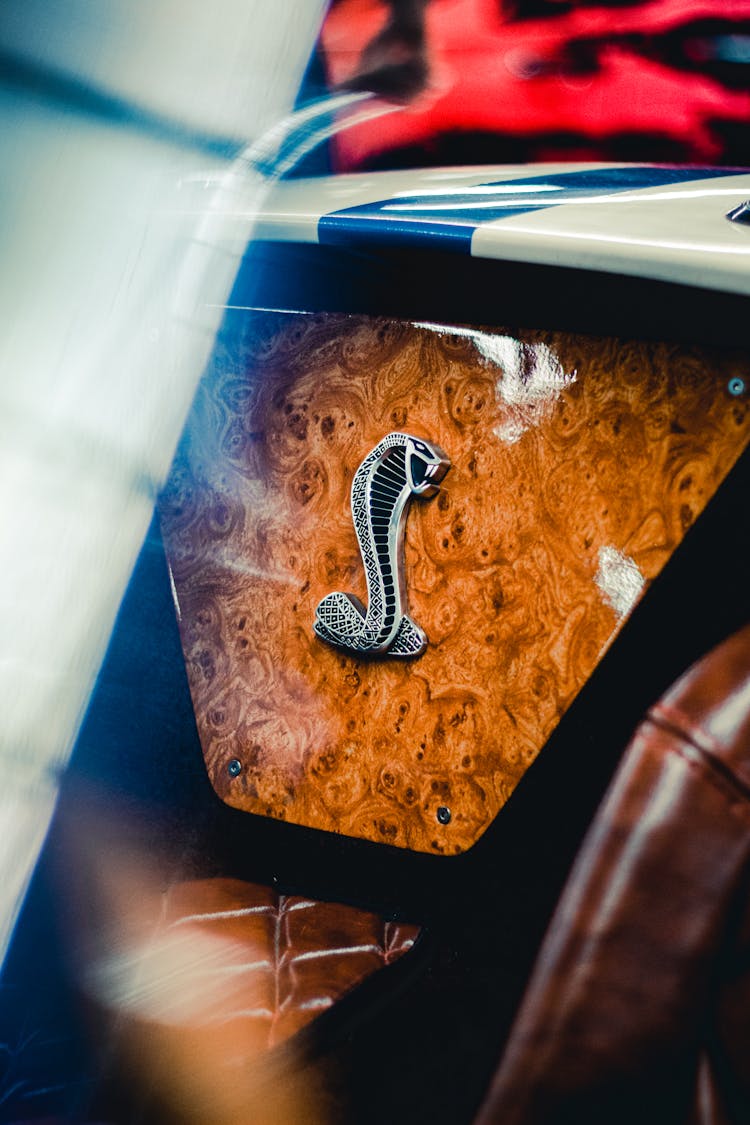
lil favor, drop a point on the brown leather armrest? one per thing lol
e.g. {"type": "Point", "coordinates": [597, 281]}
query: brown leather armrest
{"type": "Point", "coordinates": [624, 997]}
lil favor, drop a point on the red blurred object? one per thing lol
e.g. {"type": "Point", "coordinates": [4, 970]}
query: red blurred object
{"type": "Point", "coordinates": [641, 81]}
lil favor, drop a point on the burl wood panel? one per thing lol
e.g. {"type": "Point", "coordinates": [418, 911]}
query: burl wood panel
{"type": "Point", "coordinates": [578, 464]}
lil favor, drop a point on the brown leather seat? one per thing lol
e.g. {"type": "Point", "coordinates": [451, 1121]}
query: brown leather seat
{"type": "Point", "coordinates": [288, 959]}
{"type": "Point", "coordinates": [211, 988]}
{"type": "Point", "coordinates": [638, 1009]}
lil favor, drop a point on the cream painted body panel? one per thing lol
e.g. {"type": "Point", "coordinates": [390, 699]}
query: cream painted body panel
{"type": "Point", "coordinates": [677, 232]}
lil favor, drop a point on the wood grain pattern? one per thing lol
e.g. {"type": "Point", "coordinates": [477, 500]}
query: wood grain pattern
{"type": "Point", "coordinates": [578, 464]}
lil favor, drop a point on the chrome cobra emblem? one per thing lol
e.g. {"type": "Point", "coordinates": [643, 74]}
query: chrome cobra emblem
{"type": "Point", "coordinates": [399, 467]}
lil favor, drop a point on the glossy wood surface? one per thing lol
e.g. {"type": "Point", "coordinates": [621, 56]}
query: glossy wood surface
{"type": "Point", "coordinates": [578, 465]}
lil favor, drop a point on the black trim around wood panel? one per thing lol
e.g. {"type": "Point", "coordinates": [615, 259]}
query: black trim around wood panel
{"type": "Point", "coordinates": [437, 285]}
{"type": "Point", "coordinates": [521, 861]}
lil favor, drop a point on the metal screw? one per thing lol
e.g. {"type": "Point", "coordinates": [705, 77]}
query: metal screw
{"type": "Point", "coordinates": [234, 767]}
{"type": "Point", "coordinates": [736, 386]}
{"type": "Point", "coordinates": [444, 814]}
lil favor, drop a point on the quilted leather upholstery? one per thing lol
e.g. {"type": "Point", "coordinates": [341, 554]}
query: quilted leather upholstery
{"type": "Point", "coordinates": [284, 958]}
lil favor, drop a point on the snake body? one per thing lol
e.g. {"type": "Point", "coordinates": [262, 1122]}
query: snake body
{"type": "Point", "coordinates": [399, 467]}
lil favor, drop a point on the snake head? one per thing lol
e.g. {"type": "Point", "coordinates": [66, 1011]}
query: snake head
{"type": "Point", "coordinates": [426, 465]}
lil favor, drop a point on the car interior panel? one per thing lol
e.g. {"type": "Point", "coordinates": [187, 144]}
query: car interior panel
{"type": "Point", "coordinates": [414, 782]}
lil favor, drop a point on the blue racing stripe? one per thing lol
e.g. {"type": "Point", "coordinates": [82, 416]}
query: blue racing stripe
{"type": "Point", "coordinates": [450, 217]}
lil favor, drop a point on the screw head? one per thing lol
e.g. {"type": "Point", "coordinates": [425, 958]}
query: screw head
{"type": "Point", "coordinates": [736, 386]}
{"type": "Point", "coordinates": [234, 768]}
{"type": "Point", "coordinates": [444, 814]}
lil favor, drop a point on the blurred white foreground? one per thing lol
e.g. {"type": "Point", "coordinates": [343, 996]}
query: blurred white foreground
{"type": "Point", "coordinates": [111, 288]}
